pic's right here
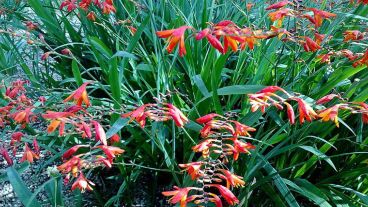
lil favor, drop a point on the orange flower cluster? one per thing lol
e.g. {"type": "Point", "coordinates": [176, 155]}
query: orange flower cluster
{"type": "Point", "coordinates": [74, 120]}
{"type": "Point", "coordinates": [107, 6]}
{"type": "Point", "coordinates": [221, 139]}
{"type": "Point", "coordinates": [231, 35]}
{"type": "Point", "coordinates": [18, 110]}
{"type": "Point", "coordinates": [267, 97]}
{"type": "Point", "coordinates": [157, 112]}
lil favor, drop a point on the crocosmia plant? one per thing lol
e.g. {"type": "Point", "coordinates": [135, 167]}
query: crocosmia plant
{"type": "Point", "coordinates": [209, 103]}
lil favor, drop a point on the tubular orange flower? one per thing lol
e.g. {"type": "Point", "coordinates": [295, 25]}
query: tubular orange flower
{"type": "Point", "coordinates": [290, 113]}
{"type": "Point", "coordinates": [353, 35]}
{"type": "Point", "coordinates": [179, 118]}
{"type": "Point", "coordinates": [231, 179]}
{"type": "Point", "coordinates": [22, 116]}
{"type": "Point", "coordinates": [104, 160]}
{"type": "Point", "coordinates": [82, 184]}
{"type": "Point", "coordinates": [327, 98]}
{"type": "Point", "coordinates": [72, 150]}
{"type": "Point", "coordinates": [108, 7]}
{"type": "Point", "coordinates": [242, 129]}
{"type": "Point", "coordinates": [305, 111]}
{"type": "Point", "coordinates": [204, 147]}
{"type": "Point", "coordinates": [331, 113]}
{"type": "Point", "coordinates": [138, 115]}
{"type": "Point", "coordinates": [176, 36]}
{"type": "Point", "coordinates": [278, 5]}
{"type": "Point", "coordinates": [100, 132]}
{"type": "Point", "coordinates": [6, 156]}
{"type": "Point", "coordinates": [91, 16]}
{"type": "Point", "coordinates": [320, 15]}
{"type": "Point", "coordinates": [193, 169]}
{"type": "Point", "coordinates": [310, 45]}
{"type": "Point", "coordinates": [80, 95]}
{"type": "Point", "coordinates": [178, 195]}
{"type": "Point", "coordinates": [114, 139]}
{"type": "Point", "coordinates": [73, 165]}
{"type": "Point", "coordinates": [206, 118]}
{"type": "Point", "coordinates": [362, 61]}
{"type": "Point", "coordinates": [280, 15]}
{"type": "Point", "coordinates": [319, 38]}
{"type": "Point", "coordinates": [226, 194]}
{"type": "Point", "coordinates": [58, 119]}
{"type": "Point", "coordinates": [16, 137]}
{"type": "Point", "coordinates": [28, 155]}
{"type": "Point", "coordinates": [238, 147]}
{"type": "Point", "coordinates": [110, 151]}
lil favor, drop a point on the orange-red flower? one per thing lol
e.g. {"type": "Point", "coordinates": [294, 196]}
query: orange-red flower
{"type": "Point", "coordinates": [179, 195]}
{"type": "Point", "coordinates": [320, 15]}
{"type": "Point", "coordinates": [138, 115]}
{"type": "Point", "coordinates": [28, 155]}
{"type": "Point", "coordinates": [231, 179]}
{"type": "Point", "coordinates": [111, 151]}
{"type": "Point", "coordinates": [6, 156]}
{"type": "Point", "coordinates": [331, 113]}
{"type": "Point", "coordinates": [58, 119]}
{"type": "Point", "coordinates": [114, 139]}
{"type": "Point", "coordinates": [176, 36]}
{"type": "Point", "coordinates": [327, 98]}
{"type": "Point", "coordinates": [278, 5]}
{"type": "Point", "coordinates": [72, 150]}
{"type": "Point", "coordinates": [193, 169]}
{"type": "Point", "coordinates": [82, 184]}
{"type": "Point", "coordinates": [290, 113]}
{"type": "Point", "coordinates": [362, 61]}
{"type": "Point", "coordinates": [108, 7]}
{"type": "Point", "coordinates": [280, 15]}
{"type": "Point", "coordinates": [80, 95]}
{"type": "Point", "coordinates": [91, 16]}
{"type": "Point", "coordinates": [22, 117]}
{"type": "Point", "coordinates": [310, 45]}
{"type": "Point", "coordinates": [306, 112]}
{"type": "Point", "coordinates": [226, 194]}
{"type": "Point", "coordinates": [100, 132]}
{"type": "Point", "coordinates": [238, 147]}
{"type": "Point", "coordinates": [73, 165]}
{"type": "Point", "coordinates": [242, 129]}
{"type": "Point", "coordinates": [353, 35]}
{"type": "Point", "coordinates": [204, 147]}
{"type": "Point", "coordinates": [206, 118]}
{"type": "Point", "coordinates": [179, 118]}
{"type": "Point", "coordinates": [70, 4]}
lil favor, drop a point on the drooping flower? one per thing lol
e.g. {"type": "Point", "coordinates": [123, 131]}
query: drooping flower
{"type": "Point", "coordinates": [108, 7]}
{"type": "Point", "coordinates": [238, 147]}
{"type": "Point", "coordinates": [306, 112]}
{"type": "Point", "coordinates": [91, 16]}
{"type": "Point", "coordinates": [22, 117]}
{"type": "Point", "coordinates": [138, 115]}
{"type": "Point", "coordinates": [80, 95]}
{"type": "Point", "coordinates": [5, 154]}
{"type": "Point", "coordinates": [36, 147]}
{"type": "Point", "coordinates": [280, 15]}
{"type": "Point", "coordinates": [362, 61]}
{"type": "Point", "coordinates": [290, 113]}
{"type": "Point", "coordinates": [331, 113]}
{"type": "Point", "coordinates": [28, 155]}
{"type": "Point", "coordinates": [178, 195]}
{"type": "Point", "coordinates": [226, 194]}
{"type": "Point", "coordinates": [100, 132]}
{"type": "Point", "coordinates": [320, 15]}
{"type": "Point", "coordinates": [242, 129]}
{"type": "Point", "coordinates": [73, 165]}
{"type": "Point", "coordinates": [111, 151]}
{"type": "Point", "coordinates": [176, 36]}
{"type": "Point", "coordinates": [179, 118]}
{"type": "Point", "coordinates": [58, 119]}
{"type": "Point", "coordinates": [70, 4]}
{"type": "Point", "coordinates": [72, 150]}
{"type": "Point", "coordinates": [327, 98]}
{"type": "Point", "coordinates": [193, 169]}
{"type": "Point", "coordinates": [353, 35]}
{"type": "Point", "coordinates": [231, 179]}
{"type": "Point", "coordinates": [278, 5]}
{"type": "Point", "coordinates": [204, 146]}
{"type": "Point", "coordinates": [82, 184]}
{"type": "Point", "coordinates": [310, 45]}
{"type": "Point", "coordinates": [206, 118]}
